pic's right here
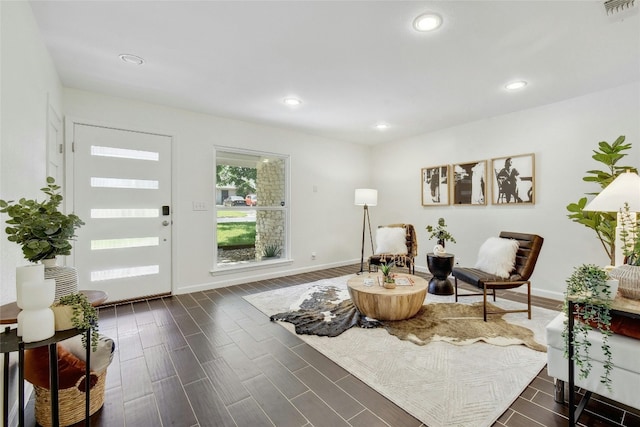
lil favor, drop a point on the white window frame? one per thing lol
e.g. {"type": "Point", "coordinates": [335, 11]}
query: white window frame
{"type": "Point", "coordinates": [285, 256]}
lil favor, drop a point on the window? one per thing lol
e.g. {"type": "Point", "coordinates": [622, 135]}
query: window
{"type": "Point", "coordinates": [252, 209]}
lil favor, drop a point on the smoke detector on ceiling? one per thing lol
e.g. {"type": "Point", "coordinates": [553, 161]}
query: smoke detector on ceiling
{"type": "Point", "coordinates": [615, 6]}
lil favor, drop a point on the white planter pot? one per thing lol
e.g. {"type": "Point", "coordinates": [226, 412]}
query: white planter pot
{"type": "Point", "coordinates": [66, 277]}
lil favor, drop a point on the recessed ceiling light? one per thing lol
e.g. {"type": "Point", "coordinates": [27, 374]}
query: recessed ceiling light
{"type": "Point", "coordinates": [427, 22]}
{"type": "Point", "coordinates": [131, 59]}
{"type": "Point", "coordinates": [382, 126]}
{"type": "Point", "coordinates": [519, 84]}
{"type": "Point", "coordinates": [292, 102]}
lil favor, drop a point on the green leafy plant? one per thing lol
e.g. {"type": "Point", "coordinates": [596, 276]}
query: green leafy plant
{"type": "Point", "coordinates": [39, 227]}
{"type": "Point", "coordinates": [271, 251]}
{"type": "Point", "coordinates": [603, 223]}
{"type": "Point", "coordinates": [83, 316]}
{"type": "Point", "coordinates": [385, 268]}
{"type": "Point", "coordinates": [588, 289]}
{"type": "Point", "coordinates": [629, 236]}
{"type": "Point", "coordinates": [440, 232]}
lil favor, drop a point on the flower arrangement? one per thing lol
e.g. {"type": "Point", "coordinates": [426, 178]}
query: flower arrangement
{"type": "Point", "coordinates": [440, 233]}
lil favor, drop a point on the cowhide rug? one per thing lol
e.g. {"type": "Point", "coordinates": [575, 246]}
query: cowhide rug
{"type": "Point", "coordinates": [324, 313]}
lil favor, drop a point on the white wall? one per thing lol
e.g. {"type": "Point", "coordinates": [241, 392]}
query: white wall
{"type": "Point", "coordinates": [325, 221]}
{"type": "Point", "coordinates": [562, 136]}
{"type": "Point", "coordinates": [28, 82]}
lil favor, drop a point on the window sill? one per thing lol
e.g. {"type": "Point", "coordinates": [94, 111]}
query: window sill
{"type": "Point", "coordinates": [249, 266]}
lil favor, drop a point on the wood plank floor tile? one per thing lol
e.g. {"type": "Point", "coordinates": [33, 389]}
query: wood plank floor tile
{"type": "Point", "coordinates": [239, 362]}
{"type": "Point", "coordinates": [225, 381]}
{"type": "Point", "coordinates": [248, 413]}
{"type": "Point", "coordinates": [159, 363]}
{"type": "Point", "coordinates": [173, 405]}
{"type": "Point", "coordinates": [321, 362]}
{"type": "Point", "coordinates": [317, 412]}
{"type": "Point", "coordinates": [142, 412]}
{"type": "Point", "coordinates": [281, 377]}
{"type": "Point", "coordinates": [135, 379]}
{"type": "Point", "coordinates": [207, 405]}
{"type": "Point", "coordinates": [366, 419]}
{"type": "Point", "coordinates": [277, 407]}
{"type": "Point", "coordinates": [341, 402]}
{"type": "Point", "coordinates": [186, 365]}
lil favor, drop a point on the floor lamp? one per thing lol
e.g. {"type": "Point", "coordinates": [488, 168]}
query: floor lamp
{"type": "Point", "coordinates": [624, 189]}
{"type": "Point", "coordinates": [365, 197]}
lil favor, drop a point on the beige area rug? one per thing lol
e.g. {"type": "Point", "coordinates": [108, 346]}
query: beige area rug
{"type": "Point", "coordinates": [441, 384]}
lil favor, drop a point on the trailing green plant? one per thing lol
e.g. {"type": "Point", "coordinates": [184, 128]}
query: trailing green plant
{"type": "Point", "coordinates": [629, 236]}
{"type": "Point", "coordinates": [440, 233]}
{"type": "Point", "coordinates": [603, 223]}
{"type": "Point", "coordinates": [39, 227]}
{"type": "Point", "coordinates": [83, 316]}
{"type": "Point", "coordinates": [587, 287]}
{"type": "Point", "coordinates": [271, 251]}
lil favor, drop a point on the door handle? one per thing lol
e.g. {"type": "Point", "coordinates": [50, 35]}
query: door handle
{"type": "Point", "coordinates": [165, 223]}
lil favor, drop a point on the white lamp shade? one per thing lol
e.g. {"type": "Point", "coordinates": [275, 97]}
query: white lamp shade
{"type": "Point", "coordinates": [366, 196]}
{"type": "Point", "coordinates": [624, 189]}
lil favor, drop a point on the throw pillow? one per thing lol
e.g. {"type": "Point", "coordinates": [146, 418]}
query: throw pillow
{"type": "Point", "coordinates": [36, 367]}
{"type": "Point", "coordinates": [101, 357]}
{"type": "Point", "coordinates": [391, 240]}
{"type": "Point", "coordinates": [497, 256]}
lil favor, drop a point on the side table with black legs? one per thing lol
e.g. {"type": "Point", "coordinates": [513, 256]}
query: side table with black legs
{"type": "Point", "coordinates": [440, 267]}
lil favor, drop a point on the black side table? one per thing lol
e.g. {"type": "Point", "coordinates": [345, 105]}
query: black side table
{"type": "Point", "coordinates": [440, 267]}
{"type": "Point", "coordinates": [10, 342]}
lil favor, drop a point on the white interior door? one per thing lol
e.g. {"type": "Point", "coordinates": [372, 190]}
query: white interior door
{"type": "Point", "coordinates": [122, 191]}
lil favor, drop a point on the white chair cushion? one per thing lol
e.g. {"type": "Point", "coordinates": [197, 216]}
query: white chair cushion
{"type": "Point", "coordinates": [391, 240]}
{"type": "Point", "coordinates": [497, 256]}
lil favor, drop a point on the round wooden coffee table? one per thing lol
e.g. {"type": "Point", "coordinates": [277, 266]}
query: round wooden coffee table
{"type": "Point", "coordinates": [380, 303]}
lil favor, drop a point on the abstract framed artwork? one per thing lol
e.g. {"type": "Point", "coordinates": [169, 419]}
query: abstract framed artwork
{"type": "Point", "coordinates": [470, 183]}
{"type": "Point", "coordinates": [435, 185]}
{"type": "Point", "coordinates": [513, 180]}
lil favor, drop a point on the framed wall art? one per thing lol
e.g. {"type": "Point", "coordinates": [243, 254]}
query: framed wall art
{"type": "Point", "coordinates": [470, 183]}
{"type": "Point", "coordinates": [513, 180]}
{"type": "Point", "coordinates": [435, 185]}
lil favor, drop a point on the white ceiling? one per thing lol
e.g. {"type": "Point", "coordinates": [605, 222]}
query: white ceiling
{"type": "Point", "coordinates": [353, 63]}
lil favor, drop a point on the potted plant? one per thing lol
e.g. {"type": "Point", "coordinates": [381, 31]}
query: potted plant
{"type": "Point", "coordinates": [588, 289]}
{"type": "Point", "coordinates": [603, 223]}
{"type": "Point", "coordinates": [388, 281]}
{"type": "Point", "coordinates": [271, 251]}
{"type": "Point", "coordinates": [440, 233]}
{"type": "Point", "coordinates": [39, 227]}
{"type": "Point", "coordinates": [75, 311]}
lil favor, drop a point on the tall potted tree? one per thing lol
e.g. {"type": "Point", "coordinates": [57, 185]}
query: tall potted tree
{"type": "Point", "coordinates": [603, 223]}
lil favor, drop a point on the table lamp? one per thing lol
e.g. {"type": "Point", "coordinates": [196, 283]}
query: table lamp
{"type": "Point", "coordinates": [624, 189]}
{"type": "Point", "coordinates": [365, 197]}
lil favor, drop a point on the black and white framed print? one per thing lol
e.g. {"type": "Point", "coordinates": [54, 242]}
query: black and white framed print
{"type": "Point", "coordinates": [435, 185]}
{"type": "Point", "coordinates": [470, 183]}
{"type": "Point", "coordinates": [513, 180]}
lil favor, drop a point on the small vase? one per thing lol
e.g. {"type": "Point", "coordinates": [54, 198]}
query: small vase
{"type": "Point", "coordinates": [389, 283]}
{"type": "Point", "coordinates": [36, 321]}
{"type": "Point", "coordinates": [66, 277]}
{"type": "Point", "coordinates": [63, 315]}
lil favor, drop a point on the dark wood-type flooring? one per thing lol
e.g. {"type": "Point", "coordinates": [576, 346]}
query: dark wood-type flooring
{"type": "Point", "coordinates": [211, 359]}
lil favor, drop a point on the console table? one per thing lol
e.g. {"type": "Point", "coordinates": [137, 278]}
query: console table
{"type": "Point", "coordinates": [10, 342]}
{"type": "Point", "coordinates": [620, 306]}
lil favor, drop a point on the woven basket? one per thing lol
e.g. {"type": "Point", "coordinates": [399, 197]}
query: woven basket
{"type": "Point", "coordinates": [71, 402]}
{"type": "Point", "coordinates": [629, 277]}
